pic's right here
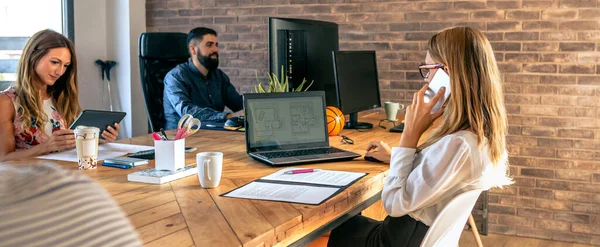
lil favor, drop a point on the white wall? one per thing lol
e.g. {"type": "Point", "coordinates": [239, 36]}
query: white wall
{"type": "Point", "coordinates": [117, 49]}
{"type": "Point", "coordinates": [90, 44]}
{"type": "Point", "coordinates": [108, 30]}
{"type": "Point", "coordinates": [137, 26]}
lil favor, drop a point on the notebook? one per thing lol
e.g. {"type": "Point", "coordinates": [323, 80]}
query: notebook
{"type": "Point", "coordinates": [289, 128]}
{"type": "Point", "coordinates": [153, 176]}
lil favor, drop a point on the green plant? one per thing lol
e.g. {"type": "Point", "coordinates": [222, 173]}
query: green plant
{"type": "Point", "coordinates": [276, 85]}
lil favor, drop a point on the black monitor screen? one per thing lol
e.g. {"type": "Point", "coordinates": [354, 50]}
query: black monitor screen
{"type": "Point", "coordinates": [303, 48]}
{"type": "Point", "coordinates": [357, 82]}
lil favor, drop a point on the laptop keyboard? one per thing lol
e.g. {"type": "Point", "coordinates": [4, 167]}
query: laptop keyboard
{"type": "Point", "coordinates": [300, 152]}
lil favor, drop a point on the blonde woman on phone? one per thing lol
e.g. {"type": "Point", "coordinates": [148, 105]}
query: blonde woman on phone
{"type": "Point", "coordinates": [38, 109]}
{"type": "Point", "coordinates": [467, 151]}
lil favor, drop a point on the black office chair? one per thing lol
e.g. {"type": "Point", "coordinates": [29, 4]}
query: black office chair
{"type": "Point", "coordinates": [159, 53]}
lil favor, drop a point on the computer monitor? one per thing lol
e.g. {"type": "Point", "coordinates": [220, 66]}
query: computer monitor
{"type": "Point", "coordinates": [303, 48]}
{"type": "Point", "coordinates": [357, 84]}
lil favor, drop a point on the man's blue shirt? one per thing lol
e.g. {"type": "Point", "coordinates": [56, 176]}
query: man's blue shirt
{"type": "Point", "coordinates": [188, 91]}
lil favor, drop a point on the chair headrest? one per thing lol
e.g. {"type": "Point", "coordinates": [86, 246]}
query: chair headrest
{"type": "Point", "coordinates": [163, 45]}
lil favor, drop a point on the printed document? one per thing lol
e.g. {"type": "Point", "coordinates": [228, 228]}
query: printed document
{"type": "Point", "coordinates": [324, 177]}
{"type": "Point", "coordinates": [283, 192]}
{"type": "Point", "coordinates": [312, 187]}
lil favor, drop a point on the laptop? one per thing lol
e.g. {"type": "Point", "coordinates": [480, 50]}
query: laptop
{"type": "Point", "coordinates": [289, 128]}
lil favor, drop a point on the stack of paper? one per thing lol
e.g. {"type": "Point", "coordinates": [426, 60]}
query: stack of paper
{"type": "Point", "coordinates": [105, 151]}
{"type": "Point", "coordinates": [305, 188]}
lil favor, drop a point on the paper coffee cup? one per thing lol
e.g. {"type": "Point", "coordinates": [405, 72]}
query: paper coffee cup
{"type": "Point", "coordinates": [86, 142]}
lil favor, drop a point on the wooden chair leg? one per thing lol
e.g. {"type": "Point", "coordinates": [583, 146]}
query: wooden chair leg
{"type": "Point", "coordinates": [475, 232]}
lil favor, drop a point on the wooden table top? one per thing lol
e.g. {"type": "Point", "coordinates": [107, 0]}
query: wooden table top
{"type": "Point", "coordinates": [181, 213]}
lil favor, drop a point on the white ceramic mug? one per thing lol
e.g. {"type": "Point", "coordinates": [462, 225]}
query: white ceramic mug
{"type": "Point", "coordinates": [210, 168]}
{"type": "Point", "coordinates": [391, 110]}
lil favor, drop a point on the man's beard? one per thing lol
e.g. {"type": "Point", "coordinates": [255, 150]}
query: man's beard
{"type": "Point", "coordinates": [209, 63]}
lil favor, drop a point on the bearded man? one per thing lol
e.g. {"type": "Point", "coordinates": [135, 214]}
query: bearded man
{"type": "Point", "coordinates": [198, 87]}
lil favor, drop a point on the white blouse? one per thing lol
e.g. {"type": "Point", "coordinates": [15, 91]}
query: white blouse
{"type": "Point", "coordinates": [421, 184]}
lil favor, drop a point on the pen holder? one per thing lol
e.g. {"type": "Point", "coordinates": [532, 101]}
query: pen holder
{"type": "Point", "coordinates": [169, 155]}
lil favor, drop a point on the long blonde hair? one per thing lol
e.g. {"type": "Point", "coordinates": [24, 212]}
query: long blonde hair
{"type": "Point", "coordinates": [476, 102]}
{"type": "Point", "coordinates": [64, 92]}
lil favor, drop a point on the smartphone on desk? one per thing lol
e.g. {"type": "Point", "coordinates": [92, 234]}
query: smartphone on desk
{"type": "Point", "coordinates": [440, 79]}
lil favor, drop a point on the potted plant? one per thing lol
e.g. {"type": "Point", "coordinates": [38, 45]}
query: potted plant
{"type": "Point", "coordinates": [276, 85]}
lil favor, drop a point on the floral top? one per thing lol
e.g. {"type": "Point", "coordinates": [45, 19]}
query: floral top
{"type": "Point", "coordinates": [24, 140]}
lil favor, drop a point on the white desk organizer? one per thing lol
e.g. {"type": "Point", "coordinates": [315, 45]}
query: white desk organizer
{"type": "Point", "coordinates": [169, 155]}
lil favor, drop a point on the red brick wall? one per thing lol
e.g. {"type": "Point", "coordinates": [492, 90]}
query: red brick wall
{"type": "Point", "coordinates": [548, 50]}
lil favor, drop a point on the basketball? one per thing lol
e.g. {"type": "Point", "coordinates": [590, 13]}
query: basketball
{"type": "Point", "coordinates": [335, 120]}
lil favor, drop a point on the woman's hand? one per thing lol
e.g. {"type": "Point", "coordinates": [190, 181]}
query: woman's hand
{"type": "Point", "coordinates": [59, 140]}
{"type": "Point", "coordinates": [379, 150]}
{"type": "Point", "coordinates": [110, 134]}
{"type": "Point", "coordinates": [418, 117]}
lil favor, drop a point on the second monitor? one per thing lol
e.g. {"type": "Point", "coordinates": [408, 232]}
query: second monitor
{"type": "Point", "coordinates": [357, 84]}
{"type": "Point", "coordinates": [303, 47]}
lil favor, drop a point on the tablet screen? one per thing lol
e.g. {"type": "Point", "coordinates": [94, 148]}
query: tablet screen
{"type": "Point", "coordinates": [99, 119]}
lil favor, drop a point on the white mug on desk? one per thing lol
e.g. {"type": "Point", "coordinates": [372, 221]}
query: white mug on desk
{"type": "Point", "coordinates": [210, 168]}
{"type": "Point", "coordinates": [391, 110]}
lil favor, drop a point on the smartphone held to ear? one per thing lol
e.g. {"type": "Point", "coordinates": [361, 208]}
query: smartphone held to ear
{"type": "Point", "coordinates": [440, 79]}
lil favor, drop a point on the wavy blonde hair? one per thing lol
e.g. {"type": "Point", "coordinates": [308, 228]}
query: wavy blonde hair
{"type": "Point", "coordinates": [64, 92]}
{"type": "Point", "coordinates": [476, 102]}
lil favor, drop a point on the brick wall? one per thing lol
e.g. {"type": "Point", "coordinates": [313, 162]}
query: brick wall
{"type": "Point", "coordinates": [548, 51]}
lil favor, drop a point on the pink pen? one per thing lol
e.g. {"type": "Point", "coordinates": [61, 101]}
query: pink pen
{"type": "Point", "coordinates": [156, 136]}
{"type": "Point", "coordinates": [298, 171]}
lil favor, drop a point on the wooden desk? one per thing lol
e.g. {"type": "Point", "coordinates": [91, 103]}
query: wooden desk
{"type": "Point", "coordinates": [181, 213]}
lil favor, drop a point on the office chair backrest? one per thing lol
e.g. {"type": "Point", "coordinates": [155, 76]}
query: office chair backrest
{"type": "Point", "coordinates": [450, 222]}
{"type": "Point", "coordinates": [158, 54]}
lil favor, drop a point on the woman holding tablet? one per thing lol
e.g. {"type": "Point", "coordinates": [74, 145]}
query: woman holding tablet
{"type": "Point", "coordinates": [38, 109]}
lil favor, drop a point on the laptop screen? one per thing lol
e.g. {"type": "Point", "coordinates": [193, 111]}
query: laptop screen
{"type": "Point", "coordinates": [276, 120]}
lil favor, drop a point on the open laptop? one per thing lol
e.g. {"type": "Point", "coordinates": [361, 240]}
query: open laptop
{"type": "Point", "coordinates": [289, 128]}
